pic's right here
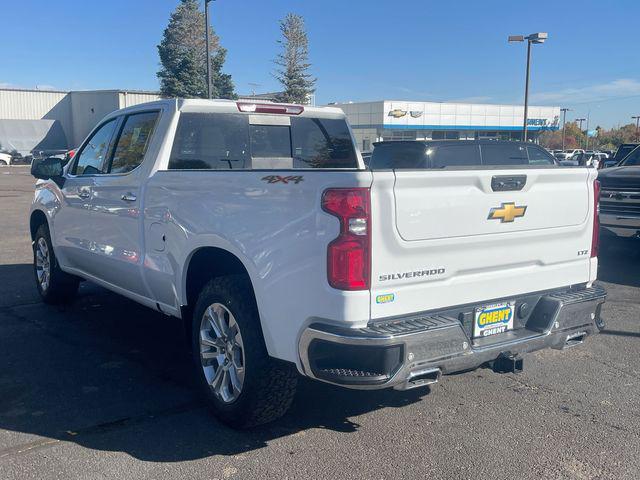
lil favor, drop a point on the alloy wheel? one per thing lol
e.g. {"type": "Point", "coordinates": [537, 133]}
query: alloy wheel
{"type": "Point", "coordinates": [222, 352]}
{"type": "Point", "coordinates": [43, 264]}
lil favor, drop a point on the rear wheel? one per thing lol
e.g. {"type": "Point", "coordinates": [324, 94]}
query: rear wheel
{"type": "Point", "coordinates": [243, 386]}
{"type": "Point", "coordinates": [54, 285]}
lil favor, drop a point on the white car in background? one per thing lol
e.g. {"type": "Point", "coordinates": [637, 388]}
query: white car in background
{"type": "Point", "coordinates": [568, 154]}
{"type": "Point", "coordinates": [5, 159]}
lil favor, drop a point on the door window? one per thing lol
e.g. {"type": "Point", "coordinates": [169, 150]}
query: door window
{"type": "Point", "coordinates": [92, 159]}
{"type": "Point", "coordinates": [538, 156]}
{"type": "Point", "coordinates": [133, 142]}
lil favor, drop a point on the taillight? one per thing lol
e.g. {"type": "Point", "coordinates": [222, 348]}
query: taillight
{"type": "Point", "coordinates": [349, 255]}
{"type": "Point", "coordinates": [273, 108]}
{"type": "Point", "coordinates": [595, 236]}
{"type": "Point", "coordinates": [71, 153]}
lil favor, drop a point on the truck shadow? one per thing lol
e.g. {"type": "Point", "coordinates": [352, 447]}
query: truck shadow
{"type": "Point", "coordinates": [620, 264]}
{"type": "Point", "coordinates": [108, 374]}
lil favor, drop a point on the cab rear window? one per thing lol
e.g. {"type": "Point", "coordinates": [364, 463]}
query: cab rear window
{"type": "Point", "coordinates": [226, 141]}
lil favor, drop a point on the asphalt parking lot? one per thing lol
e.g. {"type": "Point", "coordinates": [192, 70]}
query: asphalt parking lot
{"type": "Point", "coordinates": [102, 389]}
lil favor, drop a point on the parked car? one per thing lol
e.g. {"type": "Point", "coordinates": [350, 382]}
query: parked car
{"type": "Point", "coordinates": [599, 159]}
{"type": "Point", "coordinates": [5, 159]}
{"type": "Point", "coordinates": [569, 154]}
{"type": "Point", "coordinates": [620, 199]}
{"type": "Point", "coordinates": [259, 226]}
{"type": "Point", "coordinates": [623, 151]}
{"type": "Point", "coordinates": [586, 159]}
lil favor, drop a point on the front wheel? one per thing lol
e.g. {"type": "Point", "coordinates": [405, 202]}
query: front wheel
{"type": "Point", "coordinates": [54, 285]}
{"type": "Point", "coordinates": [243, 386]}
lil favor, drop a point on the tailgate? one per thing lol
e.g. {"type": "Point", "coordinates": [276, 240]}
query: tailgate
{"type": "Point", "coordinates": [466, 236]}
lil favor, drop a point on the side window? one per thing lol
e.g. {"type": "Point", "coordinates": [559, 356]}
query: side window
{"type": "Point", "coordinates": [92, 157]}
{"type": "Point", "coordinates": [133, 141]}
{"type": "Point", "coordinates": [454, 156]}
{"type": "Point", "coordinates": [537, 156]}
{"type": "Point", "coordinates": [211, 141]}
{"type": "Point", "coordinates": [504, 154]}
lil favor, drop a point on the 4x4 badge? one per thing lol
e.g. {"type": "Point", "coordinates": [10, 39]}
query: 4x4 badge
{"type": "Point", "coordinates": [277, 178]}
{"type": "Point", "coordinates": [507, 212]}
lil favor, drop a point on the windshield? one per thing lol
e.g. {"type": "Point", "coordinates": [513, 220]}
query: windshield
{"type": "Point", "coordinates": [623, 151]}
{"type": "Point", "coordinates": [633, 159]}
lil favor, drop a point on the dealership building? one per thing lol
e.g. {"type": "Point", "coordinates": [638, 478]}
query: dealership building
{"type": "Point", "coordinates": [50, 120]}
{"type": "Point", "coordinates": [42, 120]}
{"type": "Point", "coordinates": [404, 120]}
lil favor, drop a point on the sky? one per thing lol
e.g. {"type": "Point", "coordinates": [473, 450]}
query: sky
{"type": "Point", "coordinates": [360, 50]}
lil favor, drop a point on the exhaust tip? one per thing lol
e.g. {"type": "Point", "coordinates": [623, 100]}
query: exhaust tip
{"type": "Point", "coordinates": [421, 378]}
{"type": "Point", "coordinates": [574, 340]}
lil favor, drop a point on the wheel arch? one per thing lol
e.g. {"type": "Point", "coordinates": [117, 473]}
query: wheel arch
{"type": "Point", "coordinates": [37, 218]}
{"type": "Point", "coordinates": [203, 264]}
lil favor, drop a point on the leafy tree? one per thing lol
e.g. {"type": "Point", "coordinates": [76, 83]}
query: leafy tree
{"type": "Point", "coordinates": [294, 61]}
{"type": "Point", "coordinates": [574, 138]}
{"type": "Point", "coordinates": [183, 56]}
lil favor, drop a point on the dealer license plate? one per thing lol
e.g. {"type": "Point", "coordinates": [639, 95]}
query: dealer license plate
{"type": "Point", "coordinates": [493, 319]}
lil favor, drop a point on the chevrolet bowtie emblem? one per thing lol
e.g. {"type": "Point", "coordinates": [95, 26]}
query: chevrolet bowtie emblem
{"type": "Point", "coordinates": [507, 212]}
{"type": "Point", "coordinates": [397, 113]}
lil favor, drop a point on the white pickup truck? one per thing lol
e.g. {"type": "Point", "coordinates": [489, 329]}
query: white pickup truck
{"type": "Point", "coordinates": [259, 226]}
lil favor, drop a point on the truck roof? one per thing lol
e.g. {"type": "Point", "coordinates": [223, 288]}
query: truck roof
{"type": "Point", "coordinates": [462, 142]}
{"type": "Point", "coordinates": [228, 106]}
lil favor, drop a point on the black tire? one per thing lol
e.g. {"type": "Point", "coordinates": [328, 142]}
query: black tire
{"type": "Point", "coordinates": [61, 287]}
{"type": "Point", "coordinates": [269, 385]}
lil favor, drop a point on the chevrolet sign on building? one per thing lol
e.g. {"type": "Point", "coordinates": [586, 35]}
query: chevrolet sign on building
{"type": "Point", "coordinates": [404, 120]}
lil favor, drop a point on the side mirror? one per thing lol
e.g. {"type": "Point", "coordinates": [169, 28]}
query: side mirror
{"type": "Point", "coordinates": [50, 168]}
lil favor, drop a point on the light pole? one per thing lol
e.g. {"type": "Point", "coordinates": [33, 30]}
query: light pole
{"type": "Point", "coordinates": [208, 55]}
{"type": "Point", "coordinates": [539, 37]}
{"type": "Point", "coordinates": [580, 120]}
{"type": "Point", "coordinates": [564, 122]}
{"type": "Point", "coordinates": [587, 130]}
{"type": "Point", "coordinates": [637, 119]}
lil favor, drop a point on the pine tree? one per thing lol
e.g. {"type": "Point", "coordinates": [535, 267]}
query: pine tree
{"type": "Point", "coordinates": [183, 57]}
{"type": "Point", "coordinates": [293, 75]}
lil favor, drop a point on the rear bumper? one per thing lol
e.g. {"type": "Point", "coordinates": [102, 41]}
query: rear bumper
{"type": "Point", "coordinates": [412, 351]}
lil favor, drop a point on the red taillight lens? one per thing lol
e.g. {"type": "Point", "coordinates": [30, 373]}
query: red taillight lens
{"type": "Point", "coordinates": [71, 153]}
{"type": "Point", "coordinates": [273, 108]}
{"type": "Point", "coordinates": [348, 256]}
{"type": "Point", "coordinates": [595, 237]}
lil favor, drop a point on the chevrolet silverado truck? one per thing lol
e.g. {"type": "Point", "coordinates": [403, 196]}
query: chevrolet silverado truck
{"type": "Point", "coordinates": [620, 200]}
{"type": "Point", "coordinates": [259, 226]}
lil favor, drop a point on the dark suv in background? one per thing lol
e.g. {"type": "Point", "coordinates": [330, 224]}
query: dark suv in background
{"type": "Point", "coordinates": [623, 150]}
{"type": "Point", "coordinates": [435, 154]}
{"type": "Point", "coordinates": [620, 199]}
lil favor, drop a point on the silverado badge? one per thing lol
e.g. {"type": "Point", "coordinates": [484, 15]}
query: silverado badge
{"type": "Point", "coordinates": [507, 212]}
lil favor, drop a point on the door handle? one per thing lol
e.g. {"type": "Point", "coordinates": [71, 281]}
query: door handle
{"type": "Point", "coordinates": [129, 197]}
